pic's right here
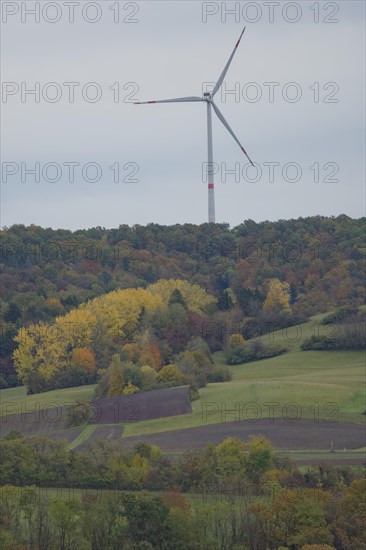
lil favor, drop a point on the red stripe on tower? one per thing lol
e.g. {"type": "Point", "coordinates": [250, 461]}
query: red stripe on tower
{"type": "Point", "coordinates": [210, 185]}
{"type": "Point", "coordinates": [151, 101]}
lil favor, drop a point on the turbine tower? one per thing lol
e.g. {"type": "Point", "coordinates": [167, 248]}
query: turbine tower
{"type": "Point", "coordinates": [209, 99]}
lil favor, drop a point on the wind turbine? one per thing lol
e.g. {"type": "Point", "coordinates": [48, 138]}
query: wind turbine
{"type": "Point", "coordinates": [209, 99]}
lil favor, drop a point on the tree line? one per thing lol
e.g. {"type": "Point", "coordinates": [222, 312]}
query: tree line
{"type": "Point", "coordinates": [235, 495]}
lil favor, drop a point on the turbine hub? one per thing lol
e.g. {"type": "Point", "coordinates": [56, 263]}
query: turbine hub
{"type": "Point", "coordinates": [207, 96]}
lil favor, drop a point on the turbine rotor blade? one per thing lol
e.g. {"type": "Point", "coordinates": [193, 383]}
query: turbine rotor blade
{"type": "Point", "coordinates": [225, 123]}
{"type": "Point", "coordinates": [223, 74]}
{"type": "Point", "coordinates": [174, 100]}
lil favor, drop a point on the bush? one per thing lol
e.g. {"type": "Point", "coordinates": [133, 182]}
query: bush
{"type": "Point", "coordinates": [253, 351]}
{"type": "Point", "coordinates": [349, 336]}
{"type": "Point", "coordinates": [149, 375]}
{"type": "Point", "coordinates": [219, 374]}
{"type": "Point", "coordinates": [80, 413]}
{"type": "Point", "coordinates": [170, 373]}
{"type": "Point", "coordinates": [193, 392]}
{"type": "Point", "coordinates": [340, 314]}
{"type": "Point", "coordinates": [194, 366]}
{"type": "Point", "coordinates": [254, 327]}
{"type": "Point", "coordinates": [320, 343]}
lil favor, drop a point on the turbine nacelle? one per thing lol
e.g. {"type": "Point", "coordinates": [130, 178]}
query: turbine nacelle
{"type": "Point", "coordinates": [207, 96]}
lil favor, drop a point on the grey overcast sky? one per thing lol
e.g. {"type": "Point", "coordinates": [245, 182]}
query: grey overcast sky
{"type": "Point", "coordinates": [297, 105]}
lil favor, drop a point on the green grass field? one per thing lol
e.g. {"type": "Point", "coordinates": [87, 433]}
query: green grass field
{"type": "Point", "coordinates": [310, 379]}
{"type": "Point", "coordinates": [16, 400]}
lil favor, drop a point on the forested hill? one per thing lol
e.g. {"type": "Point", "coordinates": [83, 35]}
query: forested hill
{"type": "Point", "coordinates": [45, 273]}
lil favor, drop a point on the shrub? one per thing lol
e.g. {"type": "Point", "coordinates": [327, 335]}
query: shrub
{"type": "Point", "coordinates": [348, 336]}
{"type": "Point", "coordinates": [80, 413]}
{"type": "Point", "coordinates": [194, 366]}
{"type": "Point", "coordinates": [340, 314]}
{"type": "Point", "coordinates": [193, 392]}
{"type": "Point", "coordinates": [319, 343]}
{"type": "Point", "coordinates": [219, 374]}
{"type": "Point", "coordinates": [253, 351]}
{"type": "Point", "coordinates": [170, 373]}
{"type": "Point", "coordinates": [149, 375]}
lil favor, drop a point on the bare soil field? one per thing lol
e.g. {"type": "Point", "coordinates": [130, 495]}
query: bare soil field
{"type": "Point", "coordinates": [49, 421]}
{"type": "Point", "coordinates": [283, 435]}
{"type": "Point", "coordinates": [142, 406]}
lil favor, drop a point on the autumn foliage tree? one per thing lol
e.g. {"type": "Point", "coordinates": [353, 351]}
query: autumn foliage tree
{"type": "Point", "coordinates": [349, 526]}
{"type": "Point", "coordinates": [170, 373]}
{"type": "Point", "coordinates": [85, 359]}
{"type": "Point", "coordinates": [278, 296]}
{"type": "Point", "coordinates": [192, 297]}
{"type": "Point", "coordinates": [235, 340]}
{"type": "Point", "coordinates": [149, 375]}
{"type": "Point", "coordinates": [115, 377]}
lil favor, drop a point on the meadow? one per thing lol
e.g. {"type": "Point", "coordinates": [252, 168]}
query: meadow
{"type": "Point", "coordinates": [308, 385]}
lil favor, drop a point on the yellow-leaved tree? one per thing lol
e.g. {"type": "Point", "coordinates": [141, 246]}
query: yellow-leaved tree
{"type": "Point", "coordinates": [129, 388]}
{"type": "Point", "coordinates": [278, 296]}
{"type": "Point", "coordinates": [116, 377]}
{"type": "Point", "coordinates": [236, 339]}
{"type": "Point", "coordinates": [40, 356]}
{"type": "Point", "coordinates": [170, 373]}
{"type": "Point", "coordinates": [196, 298]}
